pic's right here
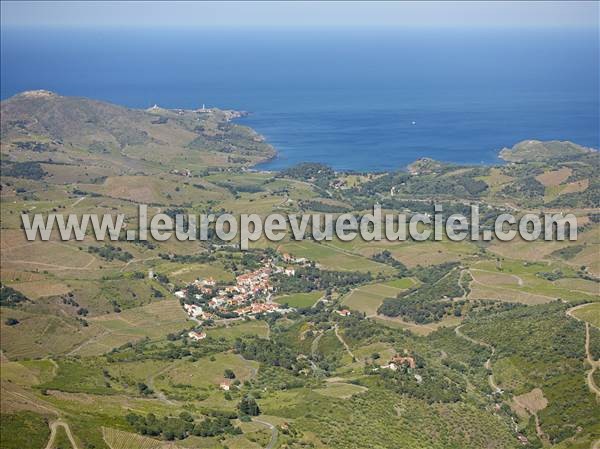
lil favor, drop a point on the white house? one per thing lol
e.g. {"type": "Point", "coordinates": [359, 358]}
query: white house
{"type": "Point", "coordinates": [197, 335]}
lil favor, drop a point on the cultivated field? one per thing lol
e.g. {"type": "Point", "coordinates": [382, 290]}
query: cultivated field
{"type": "Point", "coordinates": [368, 298]}
{"type": "Point", "coordinates": [299, 299]}
{"type": "Point", "coordinates": [589, 313]}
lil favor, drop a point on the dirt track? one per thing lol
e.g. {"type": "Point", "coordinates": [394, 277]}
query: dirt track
{"type": "Point", "coordinates": [339, 337]}
{"type": "Point", "coordinates": [495, 388]}
{"type": "Point", "coordinates": [595, 364]}
{"type": "Point", "coordinates": [488, 363]}
{"type": "Point", "coordinates": [274, 433]}
{"type": "Point", "coordinates": [54, 428]}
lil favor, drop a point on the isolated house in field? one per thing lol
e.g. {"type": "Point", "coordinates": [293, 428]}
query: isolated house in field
{"type": "Point", "coordinates": [401, 360]}
{"type": "Point", "coordinates": [343, 312]}
{"type": "Point", "coordinates": [197, 335]}
{"type": "Point", "coordinates": [225, 385]}
{"type": "Point", "coordinates": [398, 361]}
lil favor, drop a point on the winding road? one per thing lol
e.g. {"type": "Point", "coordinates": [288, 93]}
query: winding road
{"type": "Point", "coordinates": [54, 428]}
{"type": "Point", "coordinates": [494, 386]}
{"type": "Point", "coordinates": [594, 364]}
{"type": "Point", "coordinates": [41, 404]}
{"type": "Point", "coordinates": [274, 432]}
{"type": "Point", "coordinates": [488, 363]}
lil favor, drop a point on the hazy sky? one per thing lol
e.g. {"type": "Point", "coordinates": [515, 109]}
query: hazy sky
{"type": "Point", "coordinates": [261, 14]}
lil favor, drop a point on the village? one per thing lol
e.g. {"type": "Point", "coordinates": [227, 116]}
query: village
{"type": "Point", "coordinates": [204, 300]}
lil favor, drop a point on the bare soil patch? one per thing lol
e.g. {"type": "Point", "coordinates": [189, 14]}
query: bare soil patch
{"type": "Point", "coordinates": [555, 177]}
{"type": "Point", "coordinates": [529, 403]}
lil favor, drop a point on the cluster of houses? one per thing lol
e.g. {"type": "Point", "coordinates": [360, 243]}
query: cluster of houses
{"type": "Point", "coordinates": [250, 295]}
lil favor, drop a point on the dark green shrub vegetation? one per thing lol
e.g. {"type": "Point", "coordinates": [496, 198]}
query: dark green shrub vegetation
{"type": "Point", "coordinates": [568, 252]}
{"type": "Point", "coordinates": [382, 418]}
{"type": "Point", "coordinates": [32, 145]}
{"type": "Point", "coordinates": [320, 174]}
{"type": "Point", "coordinates": [83, 376]}
{"type": "Point", "coordinates": [110, 252]}
{"type": "Point", "coordinates": [307, 279]}
{"type": "Point", "coordinates": [23, 429]}
{"type": "Point", "coordinates": [174, 348]}
{"type": "Point", "coordinates": [430, 301]}
{"type": "Point", "coordinates": [248, 406]}
{"type": "Point", "coordinates": [320, 206]}
{"type": "Point", "coordinates": [9, 297]}
{"type": "Point", "coordinates": [29, 170]}
{"type": "Point", "coordinates": [551, 275]}
{"type": "Point", "coordinates": [547, 346]}
{"type": "Point", "coordinates": [188, 258]}
{"type": "Point", "coordinates": [589, 198]}
{"type": "Point", "coordinates": [427, 182]}
{"type": "Point", "coordinates": [433, 273]}
{"type": "Point", "coordinates": [268, 352]}
{"type": "Point", "coordinates": [387, 258]}
{"type": "Point", "coordinates": [432, 385]}
{"type": "Point", "coordinates": [211, 427]}
{"type": "Point", "coordinates": [178, 428]}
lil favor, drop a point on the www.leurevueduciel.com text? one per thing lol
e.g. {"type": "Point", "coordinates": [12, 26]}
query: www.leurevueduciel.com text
{"type": "Point", "coordinates": [245, 228]}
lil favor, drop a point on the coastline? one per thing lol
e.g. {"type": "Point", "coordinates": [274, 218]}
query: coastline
{"type": "Point", "coordinates": [503, 155]}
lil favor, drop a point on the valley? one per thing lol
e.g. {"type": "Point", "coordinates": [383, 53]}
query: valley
{"type": "Point", "coordinates": [290, 344]}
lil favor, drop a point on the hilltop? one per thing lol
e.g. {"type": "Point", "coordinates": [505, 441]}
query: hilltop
{"type": "Point", "coordinates": [538, 151]}
{"type": "Point", "coordinates": [44, 126]}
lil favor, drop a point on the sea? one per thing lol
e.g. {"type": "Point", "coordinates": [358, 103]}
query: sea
{"type": "Point", "coordinates": [353, 98]}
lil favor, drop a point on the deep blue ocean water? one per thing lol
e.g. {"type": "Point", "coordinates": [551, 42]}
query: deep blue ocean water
{"type": "Point", "coordinates": [355, 99]}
